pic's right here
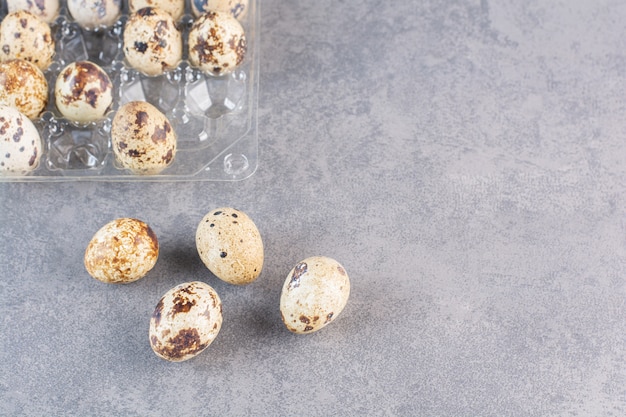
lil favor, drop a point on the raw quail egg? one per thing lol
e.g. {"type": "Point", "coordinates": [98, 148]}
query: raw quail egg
{"type": "Point", "coordinates": [122, 251]}
{"type": "Point", "coordinates": [237, 8]}
{"type": "Point", "coordinates": [185, 321]}
{"type": "Point", "coordinates": [314, 293]}
{"type": "Point", "coordinates": [23, 35]}
{"type": "Point", "coordinates": [142, 138]}
{"type": "Point", "coordinates": [175, 8]}
{"type": "Point", "coordinates": [230, 245]}
{"type": "Point", "coordinates": [23, 86]}
{"type": "Point", "coordinates": [20, 142]}
{"type": "Point", "coordinates": [152, 43]}
{"type": "Point", "coordinates": [217, 43]}
{"type": "Point", "coordinates": [83, 92]}
{"type": "Point", "coordinates": [46, 10]}
{"type": "Point", "coordinates": [91, 14]}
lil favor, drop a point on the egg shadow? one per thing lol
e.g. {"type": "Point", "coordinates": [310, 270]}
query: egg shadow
{"type": "Point", "coordinates": [248, 328]}
{"type": "Point", "coordinates": [181, 263]}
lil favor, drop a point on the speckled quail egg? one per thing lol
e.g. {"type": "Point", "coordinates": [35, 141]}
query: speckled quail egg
{"type": "Point", "coordinates": [20, 142]}
{"type": "Point", "coordinates": [230, 245]}
{"type": "Point", "coordinates": [83, 92]}
{"type": "Point", "coordinates": [175, 8]}
{"type": "Point", "coordinates": [217, 43]}
{"type": "Point", "coordinates": [314, 293]}
{"type": "Point", "coordinates": [91, 14]}
{"type": "Point", "coordinates": [23, 86]}
{"type": "Point", "coordinates": [122, 251]}
{"type": "Point", "coordinates": [185, 321]}
{"type": "Point", "coordinates": [237, 8]}
{"type": "Point", "coordinates": [46, 10]}
{"type": "Point", "coordinates": [142, 138]}
{"type": "Point", "coordinates": [152, 43]}
{"type": "Point", "coordinates": [23, 35]}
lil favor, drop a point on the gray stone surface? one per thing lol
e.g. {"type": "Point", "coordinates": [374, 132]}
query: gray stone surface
{"type": "Point", "coordinates": [464, 160]}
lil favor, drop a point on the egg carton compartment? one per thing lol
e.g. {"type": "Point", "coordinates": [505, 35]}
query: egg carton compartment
{"type": "Point", "coordinates": [214, 117]}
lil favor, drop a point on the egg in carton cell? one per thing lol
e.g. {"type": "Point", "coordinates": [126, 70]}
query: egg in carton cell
{"type": "Point", "coordinates": [197, 101]}
{"type": "Point", "coordinates": [202, 105]}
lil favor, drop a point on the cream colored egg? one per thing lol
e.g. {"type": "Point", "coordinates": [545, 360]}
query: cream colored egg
{"type": "Point", "coordinates": [25, 36]}
{"type": "Point", "coordinates": [20, 143]}
{"type": "Point", "coordinates": [217, 43]}
{"type": "Point", "coordinates": [83, 92]}
{"type": "Point", "coordinates": [152, 43]}
{"type": "Point", "coordinates": [122, 251]}
{"type": "Point", "coordinates": [142, 138]}
{"type": "Point", "coordinates": [314, 293]}
{"type": "Point", "coordinates": [185, 321]}
{"type": "Point", "coordinates": [46, 10]}
{"type": "Point", "coordinates": [91, 14]}
{"type": "Point", "coordinates": [237, 8]}
{"type": "Point", "coordinates": [230, 245]}
{"type": "Point", "coordinates": [23, 86]}
{"type": "Point", "coordinates": [175, 8]}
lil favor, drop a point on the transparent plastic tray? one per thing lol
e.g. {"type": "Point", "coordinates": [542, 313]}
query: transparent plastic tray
{"type": "Point", "coordinates": [215, 117]}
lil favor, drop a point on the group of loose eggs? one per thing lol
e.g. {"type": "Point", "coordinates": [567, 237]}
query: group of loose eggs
{"type": "Point", "coordinates": [142, 138]}
{"type": "Point", "coordinates": [188, 317]}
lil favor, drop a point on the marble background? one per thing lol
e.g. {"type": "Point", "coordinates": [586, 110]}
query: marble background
{"type": "Point", "coordinates": [464, 160]}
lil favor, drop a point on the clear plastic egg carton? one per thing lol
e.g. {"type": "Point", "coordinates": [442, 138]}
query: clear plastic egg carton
{"type": "Point", "coordinates": [214, 117]}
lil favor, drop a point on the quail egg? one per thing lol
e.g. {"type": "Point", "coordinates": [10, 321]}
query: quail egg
{"type": "Point", "coordinates": [23, 35]}
{"type": "Point", "coordinates": [230, 245]}
{"type": "Point", "coordinates": [237, 8]}
{"type": "Point", "coordinates": [20, 142]}
{"type": "Point", "coordinates": [122, 251]}
{"type": "Point", "coordinates": [217, 43]}
{"type": "Point", "coordinates": [83, 92]}
{"type": "Point", "coordinates": [152, 43]}
{"type": "Point", "coordinates": [23, 86]}
{"type": "Point", "coordinates": [142, 138]}
{"type": "Point", "coordinates": [185, 321]}
{"type": "Point", "coordinates": [91, 14]}
{"type": "Point", "coordinates": [176, 8]}
{"type": "Point", "coordinates": [314, 293]}
{"type": "Point", "coordinates": [46, 10]}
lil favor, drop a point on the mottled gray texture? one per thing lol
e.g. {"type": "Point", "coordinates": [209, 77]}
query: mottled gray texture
{"type": "Point", "coordinates": [464, 160]}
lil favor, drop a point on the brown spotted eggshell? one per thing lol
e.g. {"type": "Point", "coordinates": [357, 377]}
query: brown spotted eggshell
{"type": "Point", "coordinates": [23, 86]}
{"type": "Point", "coordinates": [230, 245]}
{"type": "Point", "coordinates": [237, 8]}
{"type": "Point", "coordinates": [152, 43]}
{"type": "Point", "coordinates": [314, 293]}
{"type": "Point", "coordinates": [175, 8]}
{"type": "Point", "coordinates": [20, 143]}
{"type": "Point", "coordinates": [83, 92]}
{"type": "Point", "coordinates": [122, 251]}
{"type": "Point", "coordinates": [142, 138]}
{"type": "Point", "coordinates": [25, 36]}
{"type": "Point", "coordinates": [217, 43]}
{"type": "Point", "coordinates": [185, 321]}
{"type": "Point", "coordinates": [91, 14]}
{"type": "Point", "coordinates": [46, 10]}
